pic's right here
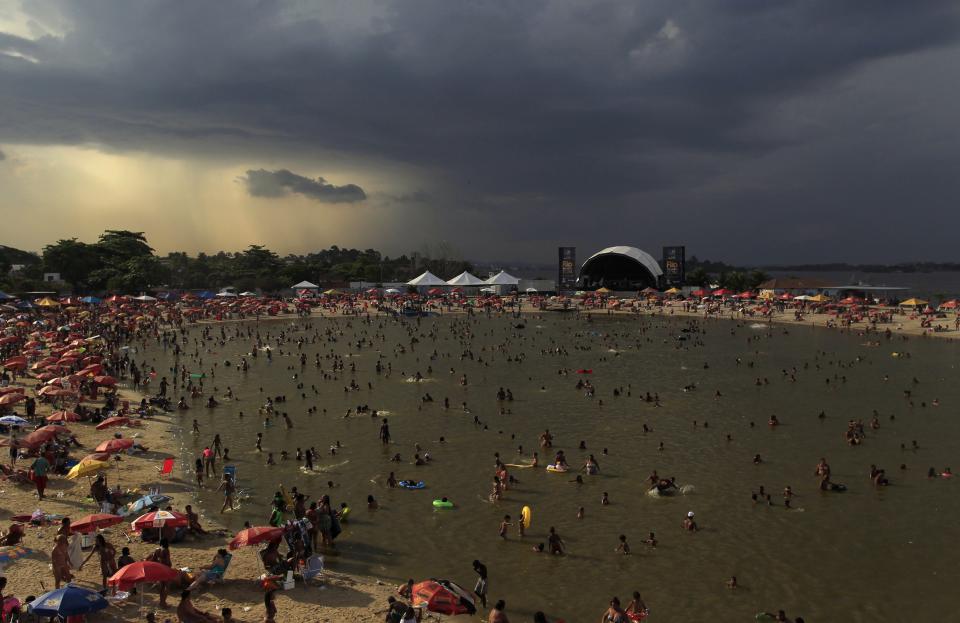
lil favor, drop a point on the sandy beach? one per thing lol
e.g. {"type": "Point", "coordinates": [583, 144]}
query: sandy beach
{"type": "Point", "coordinates": [337, 598]}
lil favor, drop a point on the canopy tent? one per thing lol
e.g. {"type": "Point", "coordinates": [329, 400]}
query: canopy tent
{"type": "Point", "coordinates": [466, 279]}
{"type": "Point", "coordinates": [427, 279]}
{"type": "Point", "coordinates": [913, 303]}
{"type": "Point", "coordinates": [503, 278]}
{"type": "Point", "coordinates": [305, 285]}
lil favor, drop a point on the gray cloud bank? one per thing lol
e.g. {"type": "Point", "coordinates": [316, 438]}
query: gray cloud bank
{"type": "Point", "coordinates": [803, 117]}
{"type": "Point", "coordinates": [280, 183]}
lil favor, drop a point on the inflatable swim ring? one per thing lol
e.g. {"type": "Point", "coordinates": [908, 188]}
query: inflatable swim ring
{"type": "Point", "coordinates": [411, 484]}
{"type": "Point", "coordinates": [526, 516]}
{"type": "Point", "coordinates": [557, 469]}
{"type": "Point", "coordinates": [638, 616]}
{"type": "Point", "coordinates": [442, 504]}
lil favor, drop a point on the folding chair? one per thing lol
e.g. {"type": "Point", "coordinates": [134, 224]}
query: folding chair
{"type": "Point", "coordinates": [167, 468]}
{"type": "Point", "coordinates": [313, 568]}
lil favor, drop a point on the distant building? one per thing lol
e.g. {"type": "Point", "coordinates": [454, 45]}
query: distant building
{"type": "Point", "coordinates": [52, 278]}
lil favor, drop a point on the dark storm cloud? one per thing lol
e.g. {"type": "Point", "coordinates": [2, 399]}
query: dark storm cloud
{"type": "Point", "coordinates": [280, 183]}
{"type": "Point", "coordinates": [620, 108]}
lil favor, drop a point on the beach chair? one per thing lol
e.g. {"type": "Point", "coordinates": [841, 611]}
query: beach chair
{"type": "Point", "coordinates": [215, 576]}
{"type": "Point", "coordinates": [313, 568]}
{"type": "Point", "coordinates": [166, 468]}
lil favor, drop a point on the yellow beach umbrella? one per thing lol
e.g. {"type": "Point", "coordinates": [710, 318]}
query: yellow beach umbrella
{"type": "Point", "coordinates": [87, 467]}
{"type": "Point", "coordinates": [819, 298]}
{"type": "Point", "coordinates": [673, 291]}
{"type": "Point", "coordinates": [767, 295]}
{"type": "Point", "coordinates": [913, 303]}
{"type": "Point", "coordinates": [330, 292]}
{"type": "Point", "coordinates": [602, 290]}
{"type": "Point", "coordinates": [47, 302]}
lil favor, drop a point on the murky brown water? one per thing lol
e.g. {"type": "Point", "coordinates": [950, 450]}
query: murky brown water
{"type": "Point", "coordinates": [862, 555]}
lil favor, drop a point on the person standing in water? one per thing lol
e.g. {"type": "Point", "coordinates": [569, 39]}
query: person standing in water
{"type": "Point", "coordinates": [385, 432]}
{"type": "Point", "coordinates": [229, 488]}
{"type": "Point", "coordinates": [481, 587]}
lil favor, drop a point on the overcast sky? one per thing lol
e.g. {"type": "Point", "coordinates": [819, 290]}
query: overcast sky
{"type": "Point", "coordinates": [752, 131]}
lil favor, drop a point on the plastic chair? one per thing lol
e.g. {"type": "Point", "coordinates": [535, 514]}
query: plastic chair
{"type": "Point", "coordinates": [217, 576]}
{"type": "Point", "coordinates": [313, 569]}
{"type": "Point", "coordinates": [167, 468]}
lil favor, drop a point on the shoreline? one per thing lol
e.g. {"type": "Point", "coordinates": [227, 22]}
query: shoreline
{"type": "Point", "coordinates": [340, 597]}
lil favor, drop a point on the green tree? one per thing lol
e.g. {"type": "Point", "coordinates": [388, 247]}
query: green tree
{"type": "Point", "coordinates": [74, 260]}
{"type": "Point", "coordinates": [698, 277]}
{"type": "Point", "coordinates": [123, 244]}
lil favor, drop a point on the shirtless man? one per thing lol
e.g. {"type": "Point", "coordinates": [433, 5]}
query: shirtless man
{"type": "Point", "coordinates": [497, 615]}
{"type": "Point", "coordinates": [188, 613]}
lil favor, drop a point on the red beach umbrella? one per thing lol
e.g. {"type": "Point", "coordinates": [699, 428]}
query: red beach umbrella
{"type": "Point", "coordinates": [113, 421]}
{"type": "Point", "coordinates": [255, 535]}
{"type": "Point", "coordinates": [445, 598]}
{"type": "Point", "coordinates": [157, 519]}
{"type": "Point", "coordinates": [12, 398]}
{"type": "Point", "coordinates": [105, 380]}
{"type": "Point", "coordinates": [63, 416]}
{"type": "Point", "coordinates": [143, 571]}
{"type": "Point", "coordinates": [114, 445]}
{"type": "Point", "coordinates": [94, 522]}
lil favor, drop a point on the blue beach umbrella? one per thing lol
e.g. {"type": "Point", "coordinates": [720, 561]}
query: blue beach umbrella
{"type": "Point", "coordinates": [68, 601]}
{"type": "Point", "coordinates": [146, 502]}
{"type": "Point", "coordinates": [90, 299]}
{"type": "Point", "coordinates": [4, 296]}
{"type": "Point", "coordinates": [13, 420]}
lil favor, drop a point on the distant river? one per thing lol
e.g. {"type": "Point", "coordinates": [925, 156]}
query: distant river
{"type": "Point", "coordinates": [863, 555]}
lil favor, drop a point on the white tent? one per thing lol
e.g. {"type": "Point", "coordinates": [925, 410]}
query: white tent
{"type": "Point", "coordinates": [466, 279]}
{"type": "Point", "coordinates": [427, 279]}
{"type": "Point", "coordinates": [305, 285]}
{"type": "Point", "coordinates": [502, 279]}
{"type": "Point", "coordinates": [144, 298]}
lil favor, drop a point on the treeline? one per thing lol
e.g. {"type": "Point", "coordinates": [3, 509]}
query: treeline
{"type": "Point", "coordinates": [703, 273]}
{"type": "Point", "coordinates": [123, 261]}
